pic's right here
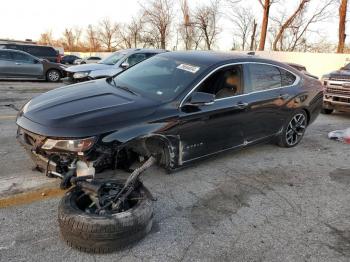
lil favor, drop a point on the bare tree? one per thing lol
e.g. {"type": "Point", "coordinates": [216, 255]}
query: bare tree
{"type": "Point", "coordinates": [46, 38]}
{"type": "Point", "coordinates": [342, 25]}
{"type": "Point", "coordinates": [253, 36]}
{"type": "Point", "coordinates": [92, 39]}
{"type": "Point", "coordinates": [130, 34]}
{"type": "Point", "coordinates": [294, 32]}
{"type": "Point", "coordinates": [186, 26]}
{"type": "Point", "coordinates": [108, 34]}
{"type": "Point", "coordinates": [71, 38]}
{"type": "Point", "coordinates": [158, 16]}
{"type": "Point", "coordinates": [244, 23]}
{"type": "Point", "coordinates": [266, 12]}
{"type": "Point", "coordinates": [206, 20]}
{"type": "Point", "coordinates": [300, 8]}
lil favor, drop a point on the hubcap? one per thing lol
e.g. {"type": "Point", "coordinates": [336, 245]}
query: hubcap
{"type": "Point", "coordinates": [295, 129]}
{"type": "Point", "coordinates": [53, 76]}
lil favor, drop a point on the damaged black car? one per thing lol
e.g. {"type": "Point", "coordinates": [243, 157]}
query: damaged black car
{"type": "Point", "coordinates": [172, 109]}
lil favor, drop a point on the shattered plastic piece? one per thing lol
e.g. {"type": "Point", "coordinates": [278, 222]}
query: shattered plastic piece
{"type": "Point", "coordinates": [340, 135]}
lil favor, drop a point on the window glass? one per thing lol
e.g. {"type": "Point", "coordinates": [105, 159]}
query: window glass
{"type": "Point", "coordinates": [5, 55]}
{"type": "Point", "coordinates": [135, 58]}
{"type": "Point", "coordinates": [263, 77]}
{"type": "Point", "coordinates": [22, 57]}
{"type": "Point", "coordinates": [112, 59]}
{"type": "Point", "coordinates": [287, 78]}
{"type": "Point", "coordinates": [160, 78]}
{"type": "Point", "coordinates": [224, 83]}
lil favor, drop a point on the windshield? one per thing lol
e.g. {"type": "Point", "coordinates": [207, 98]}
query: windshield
{"type": "Point", "coordinates": [159, 77]}
{"type": "Point", "coordinates": [112, 59]}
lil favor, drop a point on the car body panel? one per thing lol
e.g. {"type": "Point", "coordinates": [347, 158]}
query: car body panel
{"type": "Point", "coordinates": [98, 108]}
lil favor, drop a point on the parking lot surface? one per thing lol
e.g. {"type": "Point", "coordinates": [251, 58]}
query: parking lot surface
{"type": "Point", "coordinates": [263, 203]}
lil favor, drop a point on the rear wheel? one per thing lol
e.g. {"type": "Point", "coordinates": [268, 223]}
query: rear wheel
{"type": "Point", "coordinates": [327, 111]}
{"type": "Point", "coordinates": [87, 231]}
{"type": "Point", "coordinates": [53, 75]}
{"type": "Point", "coordinates": [294, 130]}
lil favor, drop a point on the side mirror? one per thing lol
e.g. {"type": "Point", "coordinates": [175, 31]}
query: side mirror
{"type": "Point", "coordinates": [124, 65]}
{"type": "Point", "coordinates": [201, 99]}
{"type": "Point", "coordinates": [37, 61]}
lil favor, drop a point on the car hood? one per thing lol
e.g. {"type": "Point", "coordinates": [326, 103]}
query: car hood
{"type": "Point", "coordinates": [85, 109]}
{"type": "Point", "coordinates": [339, 73]}
{"type": "Point", "coordinates": [88, 67]}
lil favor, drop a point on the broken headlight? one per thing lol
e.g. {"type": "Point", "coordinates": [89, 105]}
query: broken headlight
{"type": "Point", "coordinates": [76, 145]}
{"type": "Point", "coordinates": [80, 75]}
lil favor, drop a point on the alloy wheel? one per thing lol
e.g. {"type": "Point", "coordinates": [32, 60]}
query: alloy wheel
{"type": "Point", "coordinates": [54, 76]}
{"type": "Point", "coordinates": [296, 129]}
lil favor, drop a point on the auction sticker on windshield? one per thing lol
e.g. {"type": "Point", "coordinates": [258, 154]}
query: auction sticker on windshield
{"type": "Point", "coordinates": [189, 68]}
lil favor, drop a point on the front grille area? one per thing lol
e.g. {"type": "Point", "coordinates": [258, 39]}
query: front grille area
{"type": "Point", "coordinates": [340, 77]}
{"type": "Point", "coordinates": [338, 90]}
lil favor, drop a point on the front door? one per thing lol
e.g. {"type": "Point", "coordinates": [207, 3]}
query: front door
{"type": "Point", "coordinates": [215, 127]}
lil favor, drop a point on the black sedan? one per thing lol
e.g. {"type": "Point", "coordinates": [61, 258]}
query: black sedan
{"type": "Point", "coordinates": [69, 59]}
{"type": "Point", "coordinates": [176, 106]}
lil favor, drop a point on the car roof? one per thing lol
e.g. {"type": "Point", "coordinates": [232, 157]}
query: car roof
{"type": "Point", "coordinates": [141, 50]}
{"type": "Point", "coordinates": [209, 58]}
{"type": "Point", "coordinates": [16, 50]}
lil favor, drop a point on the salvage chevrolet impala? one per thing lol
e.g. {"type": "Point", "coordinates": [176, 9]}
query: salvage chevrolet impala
{"type": "Point", "coordinates": [175, 108]}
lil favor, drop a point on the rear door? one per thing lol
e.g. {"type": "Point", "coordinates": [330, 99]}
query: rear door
{"type": "Point", "coordinates": [266, 96]}
{"type": "Point", "coordinates": [6, 63]}
{"type": "Point", "coordinates": [25, 66]}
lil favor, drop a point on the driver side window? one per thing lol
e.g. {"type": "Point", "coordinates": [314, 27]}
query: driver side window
{"type": "Point", "coordinates": [225, 82]}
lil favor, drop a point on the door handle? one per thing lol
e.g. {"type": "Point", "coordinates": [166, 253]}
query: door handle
{"type": "Point", "coordinates": [283, 96]}
{"type": "Point", "coordinates": [18, 63]}
{"type": "Point", "coordinates": [242, 105]}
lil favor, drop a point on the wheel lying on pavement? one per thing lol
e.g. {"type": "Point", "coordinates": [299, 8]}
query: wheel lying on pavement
{"type": "Point", "coordinates": [102, 233]}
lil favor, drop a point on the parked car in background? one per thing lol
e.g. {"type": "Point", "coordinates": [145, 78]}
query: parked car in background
{"type": "Point", "coordinates": [15, 64]}
{"type": "Point", "coordinates": [337, 90]}
{"type": "Point", "coordinates": [302, 69]}
{"type": "Point", "coordinates": [111, 65]}
{"type": "Point", "coordinates": [44, 52]}
{"type": "Point", "coordinates": [69, 59]}
{"type": "Point", "coordinates": [87, 60]}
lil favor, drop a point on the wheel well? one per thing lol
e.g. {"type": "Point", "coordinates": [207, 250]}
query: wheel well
{"type": "Point", "coordinates": [156, 146]}
{"type": "Point", "coordinates": [308, 115]}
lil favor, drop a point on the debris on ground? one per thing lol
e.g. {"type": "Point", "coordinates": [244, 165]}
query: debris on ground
{"type": "Point", "coordinates": [340, 135]}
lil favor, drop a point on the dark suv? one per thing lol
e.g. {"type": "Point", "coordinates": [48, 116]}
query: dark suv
{"type": "Point", "coordinates": [337, 90]}
{"type": "Point", "coordinates": [44, 52]}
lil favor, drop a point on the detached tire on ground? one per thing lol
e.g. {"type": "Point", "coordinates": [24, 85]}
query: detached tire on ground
{"type": "Point", "coordinates": [103, 233]}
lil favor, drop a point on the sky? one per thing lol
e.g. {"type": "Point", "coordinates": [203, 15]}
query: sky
{"type": "Point", "coordinates": [30, 18]}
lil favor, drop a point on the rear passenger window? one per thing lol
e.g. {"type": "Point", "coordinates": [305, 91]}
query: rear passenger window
{"type": "Point", "coordinates": [263, 77]}
{"type": "Point", "coordinates": [4, 55]}
{"type": "Point", "coordinates": [287, 78]}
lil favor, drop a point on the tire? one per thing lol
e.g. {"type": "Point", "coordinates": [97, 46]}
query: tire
{"type": "Point", "coordinates": [293, 131]}
{"type": "Point", "coordinates": [103, 233]}
{"type": "Point", "coordinates": [53, 75]}
{"type": "Point", "coordinates": [327, 111]}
